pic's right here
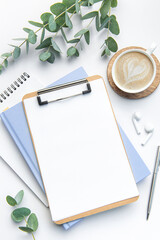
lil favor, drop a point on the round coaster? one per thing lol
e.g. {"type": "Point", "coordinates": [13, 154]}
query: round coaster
{"type": "Point", "coordinates": [143, 94]}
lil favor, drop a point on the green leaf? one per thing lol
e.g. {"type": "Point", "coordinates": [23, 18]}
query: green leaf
{"type": "Point", "coordinates": [106, 52]}
{"type": "Point", "coordinates": [6, 63]}
{"type": "Point", "coordinates": [33, 222]}
{"type": "Point", "coordinates": [52, 23]}
{"type": "Point", "coordinates": [19, 39]}
{"type": "Point", "coordinates": [32, 37]}
{"type": "Point", "coordinates": [10, 200]}
{"type": "Point", "coordinates": [45, 17]}
{"type": "Point", "coordinates": [60, 20]}
{"type": "Point", "coordinates": [37, 24]}
{"type": "Point", "coordinates": [105, 22]}
{"type": "Point", "coordinates": [68, 21]}
{"type": "Point", "coordinates": [111, 44]}
{"type": "Point", "coordinates": [45, 43]}
{"type": "Point", "coordinates": [16, 52]}
{"type": "Point", "coordinates": [114, 3]}
{"type": "Point", "coordinates": [71, 51]}
{"type": "Point", "coordinates": [19, 197]}
{"type": "Point", "coordinates": [42, 35]}
{"type": "Point", "coordinates": [64, 35]}
{"type": "Point", "coordinates": [44, 56]}
{"type": "Point", "coordinates": [58, 8]}
{"type": "Point", "coordinates": [27, 46]}
{"type": "Point", "coordinates": [55, 46]}
{"type": "Point", "coordinates": [6, 55]}
{"type": "Point", "coordinates": [97, 22]}
{"type": "Point", "coordinates": [87, 37]}
{"type": "Point", "coordinates": [27, 30]}
{"type": "Point", "coordinates": [68, 4]}
{"type": "Point", "coordinates": [21, 212]}
{"type": "Point", "coordinates": [114, 27]}
{"type": "Point", "coordinates": [26, 229]}
{"type": "Point", "coordinates": [75, 40]}
{"type": "Point", "coordinates": [18, 214]}
{"type": "Point", "coordinates": [77, 6]}
{"type": "Point", "coordinates": [81, 32]}
{"type": "Point", "coordinates": [51, 59]}
{"type": "Point", "coordinates": [90, 15]}
{"type": "Point", "coordinates": [105, 7]}
{"type": "Point", "coordinates": [17, 219]}
{"type": "Point", "coordinates": [77, 53]}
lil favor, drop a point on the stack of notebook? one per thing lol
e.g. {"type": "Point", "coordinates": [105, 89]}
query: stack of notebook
{"type": "Point", "coordinates": [15, 122]}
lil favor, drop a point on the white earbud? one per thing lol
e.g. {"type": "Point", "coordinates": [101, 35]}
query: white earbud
{"type": "Point", "coordinates": [149, 130]}
{"type": "Point", "coordinates": [135, 119]}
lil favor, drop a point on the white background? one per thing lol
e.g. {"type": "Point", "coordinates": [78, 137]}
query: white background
{"type": "Point", "coordinates": [139, 24]}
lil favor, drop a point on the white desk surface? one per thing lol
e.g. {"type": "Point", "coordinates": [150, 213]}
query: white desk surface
{"type": "Point", "coordinates": [139, 24]}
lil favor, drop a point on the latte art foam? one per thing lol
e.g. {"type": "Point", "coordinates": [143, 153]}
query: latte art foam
{"type": "Point", "coordinates": [133, 70]}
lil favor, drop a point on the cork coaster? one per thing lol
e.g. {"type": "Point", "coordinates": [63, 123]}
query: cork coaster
{"type": "Point", "coordinates": [143, 94]}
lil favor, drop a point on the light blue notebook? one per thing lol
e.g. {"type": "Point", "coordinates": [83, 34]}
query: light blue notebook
{"type": "Point", "coordinates": [15, 122]}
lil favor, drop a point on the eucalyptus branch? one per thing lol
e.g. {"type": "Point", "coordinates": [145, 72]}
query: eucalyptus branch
{"type": "Point", "coordinates": [58, 18]}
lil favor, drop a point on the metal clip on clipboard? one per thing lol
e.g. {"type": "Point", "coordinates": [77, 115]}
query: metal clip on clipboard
{"type": "Point", "coordinates": [62, 86]}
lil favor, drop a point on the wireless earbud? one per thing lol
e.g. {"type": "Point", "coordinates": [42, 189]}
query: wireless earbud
{"type": "Point", "coordinates": [135, 119]}
{"type": "Point", "coordinates": [149, 130]}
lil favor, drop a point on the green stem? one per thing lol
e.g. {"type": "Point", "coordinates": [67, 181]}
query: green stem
{"type": "Point", "coordinates": [40, 29]}
{"type": "Point", "coordinates": [31, 233]}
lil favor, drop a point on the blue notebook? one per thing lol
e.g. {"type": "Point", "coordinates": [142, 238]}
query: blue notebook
{"type": "Point", "coordinates": [15, 122]}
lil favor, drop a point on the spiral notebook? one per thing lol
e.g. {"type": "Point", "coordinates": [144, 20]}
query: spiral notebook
{"type": "Point", "coordinates": [9, 96]}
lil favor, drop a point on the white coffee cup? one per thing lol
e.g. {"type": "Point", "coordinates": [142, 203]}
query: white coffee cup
{"type": "Point", "coordinates": [147, 53]}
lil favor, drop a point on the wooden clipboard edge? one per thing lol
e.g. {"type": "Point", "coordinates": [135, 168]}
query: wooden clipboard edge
{"type": "Point", "coordinates": [93, 211]}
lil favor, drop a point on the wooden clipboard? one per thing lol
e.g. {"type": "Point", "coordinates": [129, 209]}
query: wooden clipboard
{"type": "Point", "coordinates": [97, 209]}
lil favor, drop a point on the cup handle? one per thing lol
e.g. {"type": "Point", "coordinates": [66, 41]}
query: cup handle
{"type": "Point", "coordinates": [151, 49]}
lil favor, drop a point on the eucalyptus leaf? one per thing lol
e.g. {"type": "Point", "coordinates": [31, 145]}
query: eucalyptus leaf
{"type": "Point", "coordinates": [44, 56]}
{"type": "Point", "coordinates": [27, 30]}
{"type": "Point", "coordinates": [6, 55]}
{"type": "Point", "coordinates": [36, 24]}
{"type": "Point", "coordinates": [32, 37]}
{"type": "Point", "coordinates": [17, 219]}
{"type": "Point", "coordinates": [19, 39]}
{"type": "Point", "coordinates": [26, 229]}
{"type": "Point", "coordinates": [55, 46]}
{"type": "Point", "coordinates": [10, 200]}
{"type": "Point", "coordinates": [68, 21]}
{"type": "Point", "coordinates": [81, 32]}
{"type": "Point", "coordinates": [97, 22]}
{"type": "Point", "coordinates": [77, 6]}
{"type": "Point", "coordinates": [75, 40]}
{"type": "Point", "coordinates": [1, 67]}
{"type": "Point", "coordinates": [51, 59]}
{"type": "Point", "coordinates": [71, 51]}
{"type": "Point", "coordinates": [16, 52]}
{"type": "Point", "coordinates": [114, 27]}
{"type": "Point", "coordinates": [45, 17]}
{"type": "Point", "coordinates": [106, 5]}
{"type": "Point", "coordinates": [44, 44]}
{"type": "Point", "coordinates": [52, 23]}
{"type": "Point", "coordinates": [111, 44]}
{"type": "Point", "coordinates": [87, 37]}
{"type": "Point", "coordinates": [77, 53]}
{"type": "Point", "coordinates": [6, 63]}
{"type": "Point", "coordinates": [105, 22]}
{"type": "Point", "coordinates": [114, 3]}
{"type": "Point", "coordinates": [21, 212]}
{"type": "Point", "coordinates": [27, 46]}
{"type": "Point", "coordinates": [19, 197]}
{"type": "Point", "coordinates": [32, 222]}
{"type": "Point", "coordinates": [64, 35]}
{"type": "Point", "coordinates": [69, 4]}
{"type": "Point", "coordinates": [58, 8]}
{"type": "Point", "coordinates": [42, 35]}
{"type": "Point", "coordinates": [90, 15]}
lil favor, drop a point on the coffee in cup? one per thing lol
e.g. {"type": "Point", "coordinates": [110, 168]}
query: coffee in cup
{"type": "Point", "coordinates": [134, 71]}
